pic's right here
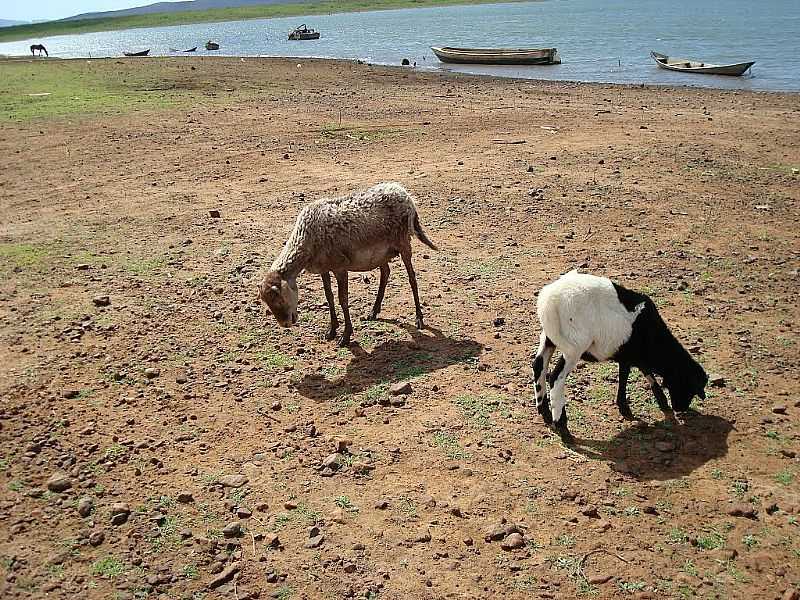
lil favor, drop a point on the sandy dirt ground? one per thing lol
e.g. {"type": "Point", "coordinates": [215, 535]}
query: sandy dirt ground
{"type": "Point", "coordinates": [161, 437]}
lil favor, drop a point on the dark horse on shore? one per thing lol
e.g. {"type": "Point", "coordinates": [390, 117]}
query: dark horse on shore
{"type": "Point", "coordinates": [40, 48]}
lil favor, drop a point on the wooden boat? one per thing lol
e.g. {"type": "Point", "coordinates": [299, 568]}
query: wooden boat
{"type": "Point", "coordinates": [498, 56]}
{"type": "Point", "coordinates": [685, 65]}
{"type": "Point", "coordinates": [142, 53]}
{"type": "Point", "coordinates": [189, 50]}
{"type": "Point", "coordinates": [304, 33]}
{"type": "Point", "coordinates": [212, 45]}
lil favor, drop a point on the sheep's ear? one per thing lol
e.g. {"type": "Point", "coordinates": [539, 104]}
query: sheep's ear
{"type": "Point", "coordinates": [275, 289]}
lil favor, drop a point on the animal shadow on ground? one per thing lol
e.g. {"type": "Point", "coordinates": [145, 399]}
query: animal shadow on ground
{"type": "Point", "coordinates": [663, 450]}
{"type": "Point", "coordinates": [392, 361]}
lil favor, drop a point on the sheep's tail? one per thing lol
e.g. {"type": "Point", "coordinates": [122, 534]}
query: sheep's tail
{"type": "Point", "coordinates": [420, 233]}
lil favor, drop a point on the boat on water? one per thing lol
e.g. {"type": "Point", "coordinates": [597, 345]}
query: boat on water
{"type": "Point", "coordinates": [141, 53]}
{"type": "Point", "coordinates": [498, 56]}
{"type": "Point", "coordinates": [189, 50]}
{"type": "Point", "coordinates": [304, 33]}
{"type": "Point", "coordinates": [212, 45]}
{"type": "Point", "coordinates": [685, 65]}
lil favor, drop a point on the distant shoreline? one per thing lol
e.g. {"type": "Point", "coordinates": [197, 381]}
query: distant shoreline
{"type": "Point", "coordinates": [265, 11]}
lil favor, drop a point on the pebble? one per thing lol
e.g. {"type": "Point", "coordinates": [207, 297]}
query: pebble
{"type": "Point", "coordinates": [226, 575]}
{"type": "Point", "coordinates": [791, 594]}
{"type": "Point", "coordinates": [96, 538]}
{"type": "Point", "coordinates": [779, 410]}
{"type": "Point", "coordinates": [214, 214]}
{"type": "Point", "coordinates": [742, 510]}
{"type": "Point", "coordinates": [381, 504]}
{"type": "Point", "coordinates": [332, 460]}
{"type": "Point", "coordinates": [716, 380]}
{"type": "Point", "coordinates": [233, 481]}
{"type": "Point", "coordinates": [85, 506]}
{"type": "Point", "coordinates": [185, 498]}
{"type": "Point", "coordinates": [101, 301]}
{"type": "Point", "coordinates": [600, 578]}
{"type": "Point", "coordinates": [233, 529]}
{"type": "Point", "coordinates": [513, 541]}
{"type": "Point", "coordinates": [244, 513]}
{"type": "Point", "coordinates": [402, 388]}
{"type": "Point", "coordinates": [59, 482]}
{"type": "Point", "coordinates": [120, 513]}
{"type": "Point", "coordinates": [341, 444]}
{"type": "Point", "coordinates": [316, 541]}
{"type": "Point", "coordinates": [151, 372]}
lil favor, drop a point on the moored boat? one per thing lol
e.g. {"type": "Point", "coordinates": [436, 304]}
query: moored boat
{"type": "Point", "coordinates": [189, 50]}
{"type": "Point", "coordinates": [685, 65]}
{"type": "Point", "coordinates": [304, 33]}
{"type": "Point", "coordinates": [212, 45]}
{"type": "Point", "coordinates": [498, 56]}
{"type": "Point", "coordinates": [141, 53]}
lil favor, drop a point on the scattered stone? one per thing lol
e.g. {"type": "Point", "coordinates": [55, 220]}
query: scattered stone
{"type": "Point", "coordinates": [101, 301]}
{"type": "Point", "coordinates": [402, 388]}
{"type": "Point", "coordinates": [59, 482]}
{"type": "Point", "coordinates": [600, 578]}
{"type": "Point", "coordinates": [271, 541]}
{"type": "Point", "coordinates": [316, 541]}
{"type": "Point", "coordinates": [423, 537]}
{"type": "Point", "coordinates": [232, 530]}
{"type": "Point", "coordinates": [120, 513]}
{"type": "Point", "coordinates": [381, 504]}
{"type": "Point", "coordinates": [468, 541]}
{"type": "Point", "coordinates": [214, 214]}
{"type": "Point", "coordinates": [338, 516]}
{"type": "Point", "coordinates": [779, 409]}
{"type": "Point", "coordinates": [244, 513]}
{"type": "Point", "coordinates": [342, 444]}
{"type": "Point", "coordinates": [791, 594]}
{"type": "Point", "coordinates": [233, 481]}
{"type": "Point", "coordinates": [70, 394]}
{"type": "Point", "coordinates": [185, 498]}
{"type": "Point", "coordinates": [742, 510]}
{"type": "Point", "coordinates": [513, 542]}
{"type": "Point", "coordinates": [85, 506]}
{"type": "Point", "coordinates": [226, 575]}
{"type": "Point", "coordinates": [96, 538]}
{"type": "Point", "coordinates": [715, 380]}
{"type": "Point", "coordinates": [332, 461]}
{"type": "Point", "coordinates": [152, 372]}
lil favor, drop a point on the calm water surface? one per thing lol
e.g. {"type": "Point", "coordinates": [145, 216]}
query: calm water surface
{"type": "Point", "coordinates": [599, 40]}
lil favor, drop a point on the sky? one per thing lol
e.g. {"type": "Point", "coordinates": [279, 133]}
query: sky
{"type": "Point", "coordinates": [19, 10]}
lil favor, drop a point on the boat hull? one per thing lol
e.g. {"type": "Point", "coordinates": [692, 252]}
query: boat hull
{"type": "Point", "coordinates": [498, 56]}
{"type": "Point", "coordinates": [142, 53]}
{"type": "Point", "coordinates": [304, 36]}
{"type": "Point", "coordinates": [692, 66]}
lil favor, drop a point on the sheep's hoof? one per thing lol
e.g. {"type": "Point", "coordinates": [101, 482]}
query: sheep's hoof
{"type": "Point", "coordinates": [420, 324]}
{"type": "Point", "coordinates": [331, 335]}
{"type": "Point", "coordinates": [626, 413]}
{"type": "Point", "coordinates": [371, 316]}
{"type": "Point", "coordinates": [561, 429]}
{"type": "Point", "coordinates": [344, 341]}
{"type": "Point", "coordinates": [544, 410]}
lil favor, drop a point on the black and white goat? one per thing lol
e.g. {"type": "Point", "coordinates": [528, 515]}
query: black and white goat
{"type": "Point", "coordinates": [593, 318]}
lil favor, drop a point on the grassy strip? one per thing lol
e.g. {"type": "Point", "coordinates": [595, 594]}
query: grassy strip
{"type": "Point", "coordinates": [261, 11]}
{"type": "Point", "coordinates": [43, 89]}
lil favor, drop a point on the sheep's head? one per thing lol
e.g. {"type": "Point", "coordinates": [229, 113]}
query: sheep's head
{"type": "Point", "coordinates": [280, 295]}
{"type": "Point", "coordinates": [686, 385]}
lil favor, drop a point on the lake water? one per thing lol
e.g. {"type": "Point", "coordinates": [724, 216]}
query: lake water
{"type": "Point", "coordinates": [598, 40]}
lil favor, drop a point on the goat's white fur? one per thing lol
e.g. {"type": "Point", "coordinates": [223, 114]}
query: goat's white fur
{"type": "Point", "coordinates": [580, 313]}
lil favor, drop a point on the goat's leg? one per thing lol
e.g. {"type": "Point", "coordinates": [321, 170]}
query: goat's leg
{"type": "Point", "coordinates": [663, 403]}
{"type": "Point", "coordinates": [326, 285]}
{"type": "Point", "coordinates": [540, 363]}
{"type": "Point", "coordinates": [558, 402]}
{"type": "Point", "coordinates": [622, 395]}
{"type": "Point", "coordinates": [405, 254]}
{"type": "Point", "coordinates": [341, 289]}
{"type": "Point", "coordinates": [376, 308]}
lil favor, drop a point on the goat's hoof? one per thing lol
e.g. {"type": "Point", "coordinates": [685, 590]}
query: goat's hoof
{"type": "Point", "coordinates": [371, 316]}
{"type": "Point", "coordinates": [344, 341]}
{"type": "Point", "coordinates": [561, 429]}
{"type": "Point", "coordinates": [420, 323]}
{"type": "Point", "coordinates": [626, 413]}
{"type": "Point", "coordinates": [331, 335]}
{"type": "Point", "coordinates": [544, 410]}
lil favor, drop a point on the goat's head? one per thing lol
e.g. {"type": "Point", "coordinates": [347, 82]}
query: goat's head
{"type": "Point", "coordinates": [280, 295]}
{"type": "Point", "coordinates": [685, 385]}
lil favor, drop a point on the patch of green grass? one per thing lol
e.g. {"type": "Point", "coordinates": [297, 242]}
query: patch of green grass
{"type": "Point", "coordinates": [739, 488]}
{"type": "Point", "coordinates": [115, 451]}
{"type": "Point", "coordinates": [375, 392]}
{"type": "Point", "coordinates": [345, 503]}
{"type": "Point", "coordinates": [22, 256]}
{"type": "Point", "coordinates": [750, 541]}
{"type": "Point", "coordinates": [677, 536]}
{"type": "Point", "coordinates": [238, 494]}
{"type": "Point", "coordinates": [302, 515]}
{"type": "Point", "coordinates": [274, 360]}
{"type": "Point", "coordinates": [5, 462]}
{"type": "Point", "coordinates": [716, 474]}
{"type": "Point", "coordinates": [711, 540]}
{"type": "Point", "coordinates": [478, 409]}
{"type": "Point", "coordinates": [631, 587]}
{"type": "Point", "coordinates": [145, 267]}
{"type": "Point", "coordinates": [632, 511]}
{"type": "Point", "coordinates": [109, 567]}
{"type": "Point", "coordinates": [784, 477]}
{"type": "Point", "coordinates": [166, 536]}
{"type": "Point", "coordinates": [16, 486]}
{"type": "Point", "coordinates": [408, 507]}
{"type": "Point", "coordinates": [565, 540]}
{"type": "Point", "coordinates": [690, 568]}
{"type": "Point", "coordinates": [283, 593]}
{"type": "Point", "coordinates": [449, 443]}
{"type": "Point", "coordinates": [488, 269]}
{"type": "Point", "coordinates": [359, 133]}
{"type": "Point", "coordinates": [191, 571]}
{"type": "Point", "coordinates": [415, 366]}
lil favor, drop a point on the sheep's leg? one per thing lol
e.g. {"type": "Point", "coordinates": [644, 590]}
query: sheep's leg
{"type": "Point", "coordinates": [326, 285]}
{"type": "Point", "coordinates": [622, 396]}
{"type": "Point", "coordinates": [412, 280]}
{"type": "Point", "coordinates": [341, 288]}
{"type": "Point", "coordinates": [376, 308]}
{"type": "Point", "coordinates": [558, 402]}
{"type": "Point", "coordinates": [540, 363]}
{"type": "Point", "coordinates": [663, 403]}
